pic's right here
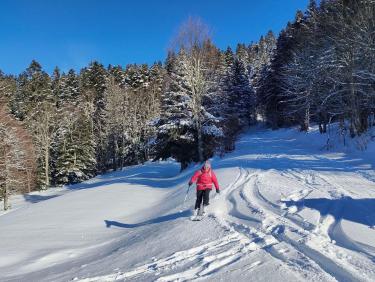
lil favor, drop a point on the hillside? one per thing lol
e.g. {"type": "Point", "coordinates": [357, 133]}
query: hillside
{"type": "Point", "coordinates": [289, 210]}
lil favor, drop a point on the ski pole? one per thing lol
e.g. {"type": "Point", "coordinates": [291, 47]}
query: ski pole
{"type": "Point", "coordinates": [187, 192]}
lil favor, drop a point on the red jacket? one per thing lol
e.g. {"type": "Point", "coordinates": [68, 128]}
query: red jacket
{"type": "Point", "coordinates": [205, 179]}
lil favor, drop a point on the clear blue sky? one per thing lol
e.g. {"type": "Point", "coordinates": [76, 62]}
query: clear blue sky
{"type": "Point", "coordinates": [71, 33]}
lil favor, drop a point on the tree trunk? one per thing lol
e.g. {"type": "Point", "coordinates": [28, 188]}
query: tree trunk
{"type": "Point", "coordinates": [28, 180]}
{"type": "Point", "coordinates": [363, 119]}
{"type": "Point", "coordinates": [342, 130]}
{"type": "Point", "coordinates": [4, 178]}
{"type": "Point", "coordinates": [306, 121]}
{"type": "Point", "coordinates": [46, 165]}
{"type": "Point", "coordinates": [354, 120]}
{"type": "Point", "coordinates": [320, 128]}
{"type": "Point", "coordinates": [200, 141]}
{"type": "Point", "coordinates": [115, 154]}
{"type": "Point", "coordinates": [5, 197]}
{"type": "Point", "coordinates": [325, 127]}
{"type": "Point", "coordinates": [122, 151]}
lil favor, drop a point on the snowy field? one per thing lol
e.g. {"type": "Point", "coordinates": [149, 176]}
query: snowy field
{"type": "Point", "coordinates": [289, 211]}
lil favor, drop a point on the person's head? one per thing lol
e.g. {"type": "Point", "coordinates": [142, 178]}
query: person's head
{"type": "Point", "coordinates": [207, 165]}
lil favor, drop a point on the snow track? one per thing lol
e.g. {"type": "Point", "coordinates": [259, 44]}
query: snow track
{"type": "Point", "coordinates": [286, 212]}
{"type": "Point", "coordinates": [274, 224]}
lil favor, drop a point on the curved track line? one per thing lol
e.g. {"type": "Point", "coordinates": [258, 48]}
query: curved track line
{"type": "Point", "coordinates": [272, 211]}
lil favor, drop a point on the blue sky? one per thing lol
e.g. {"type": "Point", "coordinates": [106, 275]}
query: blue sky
{"type": "Point", "coordinates": [71, 33]}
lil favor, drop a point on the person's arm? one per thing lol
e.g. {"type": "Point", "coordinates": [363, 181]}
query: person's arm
{"type": "Point", "coordinates": [214, 180]}
{"type": "Point", "coordinates": [194, 177]}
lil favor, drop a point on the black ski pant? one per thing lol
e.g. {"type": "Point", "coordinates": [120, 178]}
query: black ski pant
{"type": "Point", "coordinates": [202, 195]}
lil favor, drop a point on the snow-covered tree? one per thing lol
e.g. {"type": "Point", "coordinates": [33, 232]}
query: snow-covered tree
{"type": "Point", "coordinates": [93, 82]}
{"type": "Point", "coordinates": [69, 86]}
{"type": "Point", "coordinates": [176, 127]}
{"type": "Point", "coordinates": [17, 157]}
{"type": "Point", "coordinates": [270, 86]}
{"type": "Point", "coordinates": [35, 103]}
{"type": "Point", "coordinates": [74, 146]}
{"type": "Point", "coordinates": [185, 121]}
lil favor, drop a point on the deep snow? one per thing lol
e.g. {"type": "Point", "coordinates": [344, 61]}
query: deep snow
{"type": "Point", "coordinates": [289, 210]}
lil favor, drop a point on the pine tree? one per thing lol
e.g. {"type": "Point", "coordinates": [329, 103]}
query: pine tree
{"type": "Point", "coordinates": [94, 79]}
{"type": "Point", "coordinates": [241, 95]}
{"type": "Point", "coordinates": [242, 55]}
{"type": "Point", "coordinates": [37, 106]}
{"type": "Point", "coordinates": [260, 55]}
{"type": "Point", "coordinates": [75, 148]}
{"type": "Point", "coordinates": [176, 136]}
{"type": "Point", "coordinates": [178, 133]}
{"type": "Point", "coordinates": [56, 84]}
{"type": "Point", "coordinates": [270, 90]}
{"type": "Point", "coordinates": [239, 100]}
{"type": "Point", "coordinates": [69, 86]}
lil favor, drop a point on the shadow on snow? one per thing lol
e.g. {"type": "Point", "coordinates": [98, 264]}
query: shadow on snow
{"type": "Point", "coordinates": [160, 219]}
{"type": "Point", "coordinates": [37, 198]}
{"type": "Point", "coordinates": [252, 152]}
{"type": "Point", "coordinates": [154, 175]}
{"type": "Point", "coordinates": [356, 210]}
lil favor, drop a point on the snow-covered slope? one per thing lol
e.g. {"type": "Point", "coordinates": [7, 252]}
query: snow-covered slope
{"type": "Point", "coordinates": [289, 210]}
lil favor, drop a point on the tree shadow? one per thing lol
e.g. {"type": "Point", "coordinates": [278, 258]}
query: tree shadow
{"type": "Point", "coordinates": [37, 198]}
{"type": "Point", "coordinates": [255, 160]}
{"type": "Point", "coordinates": [285, 152]}
{"type": "Point", "coordinates": [160, 219]}
{"type": "Point", "coordinates": [267, 152]}
{"type": "Point", "coordinates": [156, 175]}
{"type": "Point", "coordinates": [356, 210]}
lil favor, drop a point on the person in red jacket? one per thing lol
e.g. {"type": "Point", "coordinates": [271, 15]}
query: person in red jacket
{"type": "Point", "coordinates": [205, 179]}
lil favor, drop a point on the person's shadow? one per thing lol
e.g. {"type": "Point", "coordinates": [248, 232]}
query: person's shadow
{"type": "Point", "coordinates": [160, 219]}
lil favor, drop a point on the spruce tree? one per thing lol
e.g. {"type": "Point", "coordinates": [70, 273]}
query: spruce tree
{"type": "Point", "coordinates": [176, 136]}
{"type": "Point", "coordinates": [94, 79]}
{"type": "Point", "coordinates": [38, 108]}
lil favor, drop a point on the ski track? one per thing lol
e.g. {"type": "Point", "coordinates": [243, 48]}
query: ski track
{"type": "Point", "coordinates": [316, 263]}
{"type": "Point", "coordinates": [335, 231]}
{"type": "Point", "coordinates": [329, 255]}
{"type": "Point", "coordinates": [254, 223]}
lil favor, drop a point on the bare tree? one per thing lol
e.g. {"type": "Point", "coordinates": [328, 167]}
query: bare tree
{"type": "Point", "coordinates": [129, 110]}
{"type": "Point", "coordinates": [352, 26]}
{"type": "Point", "coordinates": [17, 157]}
{"type": "Point", "coordinates": [43, 124]}
{"type": "Point", "coordinates": [116, 119]}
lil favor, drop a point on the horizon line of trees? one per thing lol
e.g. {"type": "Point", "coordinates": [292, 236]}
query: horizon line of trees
{"type": "Point", "coordinates": [73, 126]}
{"type": "Point", "coordinates": [82, 124]}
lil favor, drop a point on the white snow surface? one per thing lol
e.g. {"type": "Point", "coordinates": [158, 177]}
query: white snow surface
{"type": "Point", "coordinates": [289, 210]}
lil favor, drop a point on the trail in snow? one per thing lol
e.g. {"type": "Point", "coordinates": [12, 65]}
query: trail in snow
{"type": "Point", "coordinates": [275, 225]}
{"type": "Point", "coordinates": [287, 211]}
